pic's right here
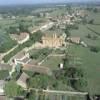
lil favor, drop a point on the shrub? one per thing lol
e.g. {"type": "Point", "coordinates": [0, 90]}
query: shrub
{"type": "Point", "coordinates": [94, 49]}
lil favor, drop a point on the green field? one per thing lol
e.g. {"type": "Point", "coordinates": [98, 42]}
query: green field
{"type": "Point", "coordinates": [52, 62]}
{"type": "Point", "coordinates": [96, 28]}
{"type": "Point", "coordinates": [90, 65]}
{"type": "Point", "coordinates": [90, 61]}
{"type": "Point", "coordinates": [82, 32]}
{"type": "Point", "coordinates": [95, 16]}
{"type": "Point", "coordinates": [6, 42]}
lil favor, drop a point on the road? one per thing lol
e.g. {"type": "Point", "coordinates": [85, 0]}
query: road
{"type": "Point", "coordinates": [4, 54]}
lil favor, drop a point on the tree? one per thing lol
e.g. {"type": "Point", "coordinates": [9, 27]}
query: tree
{"type": "Point", "coordinates": [80, 84]}
{"type": "Point", "coordinates": [95, 10]}
{"type": "Point", "coordinates": [13, 30]}
{"type": "Point", "coordinates": [95, 49]}
{"type": "Point", "coordinates": [66, 61]}
{"type": "Point", "coordinates": [91, 21]}
{"type": "Point", "coordinates": [31, 96]}
{"type": "Point", "coordinates": [68, 34]}
{"type": "Point", "coordinates": [12, 89]}
{"type": "Point", "coordinates": [39, 81]}
{"type": "Point", "coordinates": [23, 28]}
{"type": "Point", "coordinates": [89, 36]}
{"type": "Point", "coordinates": [36, 36]}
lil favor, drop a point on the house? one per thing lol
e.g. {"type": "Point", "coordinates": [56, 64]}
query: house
{"type": "Point", "coordinates": [22, 81]}
{"type": "Point", "coordinates": [21, 57]}
{"type": "Point", "coordinates": [75, 40]}
{"type": "Point", "coordinates": [23, 37]}
{"type": "Point", "coordinates": [2, 85]}
{"type": "Point", "coordinates": [37, 69]}
{"type": "Point", "coordinates": [53, 41]}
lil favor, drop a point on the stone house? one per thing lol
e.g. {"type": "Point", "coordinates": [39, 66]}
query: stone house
{"type": "Point", "coordinates": [53, 41]}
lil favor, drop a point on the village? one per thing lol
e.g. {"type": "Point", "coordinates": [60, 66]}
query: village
{"type": "Point", "coordinates": [44, 53]}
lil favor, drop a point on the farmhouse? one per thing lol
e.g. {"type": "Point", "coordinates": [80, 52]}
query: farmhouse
{"type": "Point", "coordinates": [23, 37]}
{"type": "Point", "coordinates": [53, 41]}
{"type": "Point", "coordinates": [21, 57]}
{"type": "Point", "coordinates": [22, 81]}
{"type": "Point", "coordinates": [74, 39]}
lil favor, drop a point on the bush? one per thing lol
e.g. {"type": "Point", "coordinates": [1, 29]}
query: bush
{"type": "Point", "coordinates": [95, 49]}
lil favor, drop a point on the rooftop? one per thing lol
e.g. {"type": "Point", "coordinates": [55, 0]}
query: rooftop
{"type": "Point", "coordinates": [4, 66]}
{"type": "Point", "coordinates": [19, 55]}
{"type": "Point", "coordinates": [37, 68]}
{"type": "Point", "coordinates": [23, 77]}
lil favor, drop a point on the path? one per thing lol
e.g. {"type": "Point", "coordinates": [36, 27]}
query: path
{"type": "Point", "coordinates": [4, 54]}
{"type": "Point", "coordinates": [51, 55]}
{"type": "Point", "coordinates": [69, 93]}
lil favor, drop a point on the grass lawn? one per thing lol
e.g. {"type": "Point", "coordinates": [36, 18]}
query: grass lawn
{"type": "Point", "coordinates": [53, 62]}
{"type": "Point", "coordinates": [90, 65]}
{"type": "Point", "coordinates": [96, 28]}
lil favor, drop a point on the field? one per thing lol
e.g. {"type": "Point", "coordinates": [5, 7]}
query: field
{"type": "Point", "coordinates": [95, 16]}
{"type": "Point", "coordinates": [90, 65]}
{"type": "Point", "coordinates": [52, 62]}
{"type": "Point", "coordinates": [83, 31]}
{"type": "Point", "coordinates": [6, 42]}
{"type": "Point", "coordinates": [90, 62]}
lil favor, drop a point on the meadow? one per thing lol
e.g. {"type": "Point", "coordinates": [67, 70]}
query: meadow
{"type": "Point", "coordinates": [90, 61]}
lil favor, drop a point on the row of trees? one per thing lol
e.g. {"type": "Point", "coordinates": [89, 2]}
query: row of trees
{"type": "Point", "coordinates": [18, 29]}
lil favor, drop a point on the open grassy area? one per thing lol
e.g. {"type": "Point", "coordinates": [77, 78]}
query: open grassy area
{"type": "Point", "coordinates": [82, 32]}
{"type": "Point", "coordinates": [90, 65]}
{"type": "Point", "coordinates": [95, 16]}
{"type": "Point", "coordinates": [96, 28]}
{"type": "Point", "coordinates": [53, 62]}
{"type": "Point", "coordinates": [6, 43]}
